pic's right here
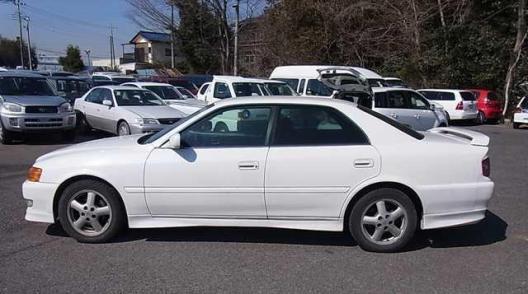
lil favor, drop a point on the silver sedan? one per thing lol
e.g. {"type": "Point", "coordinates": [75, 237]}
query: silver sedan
{"type": "Point", "coordinates": [124, 110]}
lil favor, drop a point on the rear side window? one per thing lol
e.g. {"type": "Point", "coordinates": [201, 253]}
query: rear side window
{"type": "Point", "coordinates": [467, 96]}
{"type": "Point", "coordinates": [292, 82]}
{"type": "Point", "coordinates": [439, 96]}
{"type": "Point", "coordinates": [397, 125]}
{"type": "Point", "coordinates": [315, 125]}
{"type": "Point", "coordinates": [95, 96]}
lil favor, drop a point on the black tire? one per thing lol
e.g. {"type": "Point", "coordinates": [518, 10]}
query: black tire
{"type": "Point", "coordinates": [116, 223]}
{"type": "Point", "coordinates": [121, 127]}
{"type": "Point", "coordinates": [516, 125]}
{"type": "Point", "coordinates": [82, 124]}
{"type": "Point", "coordinates": [6, 137]}
{"type": "Point", "coordinates": [359, 231]}
{"type": "Point", "coordinates": [221, 127]}
{"type": "Point", "coordinates": [481, 118]}
{"type": "Point", "coordinates": [68, 135]}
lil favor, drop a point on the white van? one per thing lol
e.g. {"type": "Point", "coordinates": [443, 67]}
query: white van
{"type": "Point", "coordinates": [304, 78]}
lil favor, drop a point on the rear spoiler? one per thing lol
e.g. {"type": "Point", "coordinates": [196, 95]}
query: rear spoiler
{"type": "Point", "coordinates": [475, 138]}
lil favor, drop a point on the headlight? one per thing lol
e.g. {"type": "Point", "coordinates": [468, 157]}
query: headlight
{"type": "Point", "coordinates": [65, 107]}
{"type": "Point", "coordinates": [12, 107]}
{"type": "Point", "coordinates": [147, 121]}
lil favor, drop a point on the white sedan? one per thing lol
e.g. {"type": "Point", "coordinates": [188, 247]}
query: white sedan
{"type": "Point", "coordinates": [304, 163]}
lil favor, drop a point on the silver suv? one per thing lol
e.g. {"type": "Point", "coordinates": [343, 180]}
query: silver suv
{"type": "Point", "coordinates": [29, 104]}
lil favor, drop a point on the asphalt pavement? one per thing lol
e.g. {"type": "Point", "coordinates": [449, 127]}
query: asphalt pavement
{"type": "Point", "coordinates": [488, 257]}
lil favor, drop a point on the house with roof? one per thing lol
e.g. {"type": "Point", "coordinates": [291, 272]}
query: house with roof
{"type": "Point", "coordinates": [154, 48]}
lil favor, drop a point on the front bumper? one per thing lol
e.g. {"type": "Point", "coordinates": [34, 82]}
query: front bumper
{"type": "Point", "coordinates": [521, 118]}
{"type": "Point", "coordinates": [41, 195]}
{"type": "Point", "coordinates": [142, 129]}
{"type": "Point", "coordinates": [37, 122]}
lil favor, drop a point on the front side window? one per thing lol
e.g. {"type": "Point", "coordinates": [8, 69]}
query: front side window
{"type": "Point", "coordinates": [315, 125]}
{"type": "Point", "coordinates": [235, 127]}
{"type": "Point", "coordinates": [417, 101]}
{"type": "Point", "coordinates": [137, 98]}
{"type": "Point", "coordinates": [221, 91]}
{"type": "Point", "coordinates": [95, 96]}
{"type": "Point", "coordinates": [317, 88]}
{"type": "Point", "coordinates": [292, 82]}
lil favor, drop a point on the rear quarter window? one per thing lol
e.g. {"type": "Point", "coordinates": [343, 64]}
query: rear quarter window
{"type": "Point", "coordinates": [438, 96]}
{"type": "Point", "coordinates": [467, 96]}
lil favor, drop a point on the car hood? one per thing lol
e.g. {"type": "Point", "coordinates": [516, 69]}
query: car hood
{"type": "Point", "coordinates": [35, 100]}
{"type": "Point", "coordinates": [163, 111]}
{"type": "Point", "coordinates": [102, 145]}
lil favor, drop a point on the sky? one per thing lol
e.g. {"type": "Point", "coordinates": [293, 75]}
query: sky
{"type": "Point", "coordinates": [86, 23]}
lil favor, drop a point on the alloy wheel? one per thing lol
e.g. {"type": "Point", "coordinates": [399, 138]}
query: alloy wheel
{"type": "Point", "coordinates": [123, 129]}
{"type": "Point", "coordinates": [89, 213]}
{"type": "Point", "coordinates": [384, 221]}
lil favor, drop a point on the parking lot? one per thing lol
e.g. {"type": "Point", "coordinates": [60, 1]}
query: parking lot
{"type": "Point", "coordinates": [489, 257]}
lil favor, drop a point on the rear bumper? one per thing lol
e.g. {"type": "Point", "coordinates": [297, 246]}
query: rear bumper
{"type": "Point", "coordinates": [455, 206]}
{"type": "Point", "coordinates": [32, 122]}
{"type": "Point", "coordinates": [521, 118]}
{"type": "Point", "coordinates": [492, 113]}
{"type": "Point", "coordinates": [41, 195]}
{"type": "Point", "coordinates": [462, 115]}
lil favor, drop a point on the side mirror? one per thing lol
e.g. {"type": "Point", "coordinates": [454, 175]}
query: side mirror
{"type": "Point", "coordinates": [432, 107]}
{"type": "Point", "coordinates": [107, 103]}
{"type": "Point", "coordinates": [174, 142]}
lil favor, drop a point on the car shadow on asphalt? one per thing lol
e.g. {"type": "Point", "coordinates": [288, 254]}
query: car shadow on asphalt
{"type": "Point", "coordinates": [57, 139]}
{"type": "Point", "coordinates": [491, 230]}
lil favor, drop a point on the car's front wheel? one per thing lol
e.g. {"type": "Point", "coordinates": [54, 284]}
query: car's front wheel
{"type": "Point", "coordinates": [6, 137]}
{"type": "Point", "coordinates": [383, 220]}
{"type": "Point", "coordinates": [123, 129]}
{"type": "Point", "coordinates": [90, 211]}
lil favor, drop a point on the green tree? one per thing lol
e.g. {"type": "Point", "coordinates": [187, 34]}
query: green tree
{"type": "Point", "coordinates": [72, 61]}
{"type": "Point", "coordinates": [10, 53]}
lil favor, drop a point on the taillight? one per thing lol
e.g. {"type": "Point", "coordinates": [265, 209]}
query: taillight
{"type": "Point", "coordinates": [460, 106]}
{"type": "Point", "coordinates": [486, 167]}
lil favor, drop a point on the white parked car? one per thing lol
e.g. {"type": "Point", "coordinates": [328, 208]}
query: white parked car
{"type": "Point", "coordinates": [224, 87]}
{"type": "Point", "coordinates": [202, 90]}
{"type": "Point", "coordinates": [459, 104]}
{"type": "Point", "coordinates": [409, 108]}
{"type": "Point", "coordinates": [520, 117]}
{"type": "Point", "coordinates": [303, 163]}
{"type": "Point", "coordinates": [112, 76]}
{"type": "Point", "coordinates": [125, 110]}
{"type": "Point", "coordinates": [177, 97]}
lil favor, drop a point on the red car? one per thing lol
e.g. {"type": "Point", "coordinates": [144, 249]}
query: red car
{"type": "Point", "coordinates": [488, 105]}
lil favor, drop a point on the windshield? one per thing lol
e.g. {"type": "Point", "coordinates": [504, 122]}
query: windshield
{"type": "Point", "coordinates": [280, 89]}
{"type": "Point", "coordinates": [30, 86]}
{"type": "Point", "coordinates": [137, 98]}
{"type": "Point", "coordinates": [186, 94]}
{"type": "Point", "coordinates": [247, 89]}
{"type": "Point", "coordinates": [149, 138]}
{"type": "Point", "coordinates": [165, 92]}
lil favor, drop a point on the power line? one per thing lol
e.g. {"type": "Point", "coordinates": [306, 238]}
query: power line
{"type": "Point", "coordinates": [66, 18]}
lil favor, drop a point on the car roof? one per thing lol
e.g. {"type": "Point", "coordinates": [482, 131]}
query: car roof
{"type": "Point", "coordinates": [391, 78]}
{"type": "Point", "coordinates": [148, 84]}
{"type": "Point", "coordinates": [386, 89]}
{"type": "Point", "coordinates": [117, 87]}
{"type": "Point", "coordinates": [235, 79]}
{"type": "Point", "coordinates": [310, 71]}
{"type": "Point", "coordinates": [313, 100]}
{"type": "Point", "coordinates": [444, 90]}
{"type": "Point", "coordinates": [76, 78]}
{"type": "Point", "coordinates": [20, 74]}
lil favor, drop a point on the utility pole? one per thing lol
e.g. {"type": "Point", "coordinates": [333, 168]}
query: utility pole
{"type": "Point", "coordinates": [172, 34]}
{"type": "Point", "coordinates": [88, 55]}
{"type": "Point", "coordinates": [28, 43]}
{"type": "Point", "coordinates": [112, 49]}
{"type": "Point", "coordinates": [235, 57]}
{"type": "Point", "coordinates": [17, 3]}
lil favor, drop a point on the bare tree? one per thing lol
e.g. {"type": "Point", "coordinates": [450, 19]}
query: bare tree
{"type": "Point", "coordinates": [516, 53]}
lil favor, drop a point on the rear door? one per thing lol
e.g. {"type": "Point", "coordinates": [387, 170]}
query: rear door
{"type": "Point", "coordinates": [425, 117]}
{"type": "Point", "coordinates": [90, 107]}
{"type": "Point", "coordinates": [317, 156]}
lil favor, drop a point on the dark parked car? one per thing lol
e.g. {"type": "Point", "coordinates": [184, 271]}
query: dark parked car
{"type": "Point", "coordinates": [70, 87]}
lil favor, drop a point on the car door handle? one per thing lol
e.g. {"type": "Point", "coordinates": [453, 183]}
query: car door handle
{"type": "Point", "coordinates": [363, 163]}
{"type": "Point", "coordinates": [247, 165]}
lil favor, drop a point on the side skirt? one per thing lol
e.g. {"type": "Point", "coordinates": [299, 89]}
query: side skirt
{"type": "Point", "coordinates": [148, 221]}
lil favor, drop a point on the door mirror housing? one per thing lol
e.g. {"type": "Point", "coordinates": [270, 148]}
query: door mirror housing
{"type": "Point", "coordinates": [174, 142]}
{"type": "Point", "coordinates": [432, 107]}
{"type": "Point", "coordinates": [108, 103]}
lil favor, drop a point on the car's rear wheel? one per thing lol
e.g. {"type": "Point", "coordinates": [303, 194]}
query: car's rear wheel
{"type": "Point", "coordinates": [481, 118]}
{"type": "Point", "coordinates": [383, 220]}
{"type": "Point", "coordinates": [516, 125]}
{"type": "Point", "coordinates": [6, 137]}
{"type": "Point", "coordinates": [82, 124]}
{"type": "Point", "coordinates": [90, 211]}
{"type": "Point", "coordinates": [123, 129]}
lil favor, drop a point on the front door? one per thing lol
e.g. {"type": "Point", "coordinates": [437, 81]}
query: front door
{"type": "Point", "coordinates": [317, 157]}
{"type": "Point", "coordinates": [218, 172]}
